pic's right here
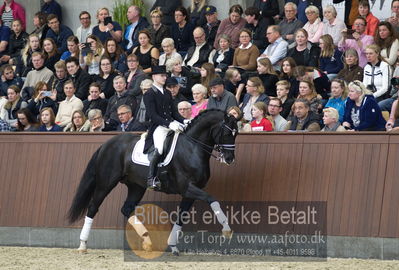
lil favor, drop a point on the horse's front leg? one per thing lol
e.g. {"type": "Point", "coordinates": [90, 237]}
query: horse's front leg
{"type": "Point", "coordinates": [185, 206]}
{"type": "Point", "coordinates": [196, 193]}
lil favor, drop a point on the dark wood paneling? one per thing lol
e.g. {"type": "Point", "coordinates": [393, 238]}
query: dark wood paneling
{"type": "Point", "coordinates": [355, 174]}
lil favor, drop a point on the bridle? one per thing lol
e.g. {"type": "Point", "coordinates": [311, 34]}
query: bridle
{"type": "Point", "coordinates": [218, 147]}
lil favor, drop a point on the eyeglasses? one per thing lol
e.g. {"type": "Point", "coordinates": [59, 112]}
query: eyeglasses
{"type": "Point", "coordinates": [122, 113]}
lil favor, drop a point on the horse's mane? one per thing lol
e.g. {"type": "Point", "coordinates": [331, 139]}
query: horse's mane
{"type": "Point", "coordinates": [200, 116]}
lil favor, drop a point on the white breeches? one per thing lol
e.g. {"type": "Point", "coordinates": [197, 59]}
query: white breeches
{"type": "Point", "coordinates": [159, 137]}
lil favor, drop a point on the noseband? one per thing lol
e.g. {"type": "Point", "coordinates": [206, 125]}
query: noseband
{"type": "Point", "coordinates": [218, 147]}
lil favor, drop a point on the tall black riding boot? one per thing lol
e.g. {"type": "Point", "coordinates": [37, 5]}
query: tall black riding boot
{"type": "Point", "coordinates": [153, 181]}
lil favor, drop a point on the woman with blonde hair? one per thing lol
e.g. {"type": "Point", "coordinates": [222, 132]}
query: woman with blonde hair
{"type": "Point", "coordinates": [330, 57]}
{"type": "Point", "coordinates": [331, 120]}
{"type": "Point", "coordinates": [196, 12]}
{"type": "Point", "coordinates": [339, 93]}
{"type": "Point", "coordinates": [362, 112]}
{"type": "Point", "coordinates": [377, 73]}
{"type": "Point", "coordinates": [91, 61]}
{"type": "Point", "coordinates": [255, 93]}
{"type": "Point", "coordinates": [24, 61]}
{"type": "Point", "coordinates": [158, 31]}
{"type": "Point", "coordinates": [111, 30]}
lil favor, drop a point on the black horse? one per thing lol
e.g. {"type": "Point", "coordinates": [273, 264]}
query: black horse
{"type": "Point", "coordinates": [188, 173]}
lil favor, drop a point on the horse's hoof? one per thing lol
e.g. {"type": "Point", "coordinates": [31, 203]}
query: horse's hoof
{"type": "Point", "coordinates": [81, 251]}
{"type": "Point", "coordinates": [227, 234]}
{"type": "Point", "coordinates": [175, 251]}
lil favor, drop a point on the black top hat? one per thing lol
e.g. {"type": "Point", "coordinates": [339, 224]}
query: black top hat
{"type": "Point", "coordinates": [158, 70]}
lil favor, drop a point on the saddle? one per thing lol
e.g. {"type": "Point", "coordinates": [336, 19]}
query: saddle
{"type": "Point", "coordinates": [138, 157]}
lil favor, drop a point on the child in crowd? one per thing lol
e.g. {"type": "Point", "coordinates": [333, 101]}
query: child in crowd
{"type": "Point", "coordinates": [47, 121]}
{"type": "Point", "coordinates": [261, 121]}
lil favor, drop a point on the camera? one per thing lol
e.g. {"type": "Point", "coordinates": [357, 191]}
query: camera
{"type": "Point", "coordinates": [395, 81]}
{"type": "Point", "coordinates": [46, 93]}
{"type": "Point", "coordinates": [372, 88]}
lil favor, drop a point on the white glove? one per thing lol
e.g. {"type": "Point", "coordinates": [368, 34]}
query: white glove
{"type": "Point", "coordinates": [176, 126]}
{"type": "Point", "coordinates": [186, 121]}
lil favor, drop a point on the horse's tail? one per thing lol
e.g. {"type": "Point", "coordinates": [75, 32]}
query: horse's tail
{"type": "Point", "coordinates": [84, 192]}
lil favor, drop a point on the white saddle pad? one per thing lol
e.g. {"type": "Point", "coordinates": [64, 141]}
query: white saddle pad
{"type": "Point", "coordinates": [140, 158]}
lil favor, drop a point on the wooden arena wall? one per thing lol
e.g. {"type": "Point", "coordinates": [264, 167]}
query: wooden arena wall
{"type": "Point", "coordinates": [358, 176]}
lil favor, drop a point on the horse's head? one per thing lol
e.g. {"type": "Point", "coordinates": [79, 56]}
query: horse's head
{"type": "Point", "coordinates": [224, 134]}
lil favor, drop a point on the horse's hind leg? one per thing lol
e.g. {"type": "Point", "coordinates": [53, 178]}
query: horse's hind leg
{"type": "Point", "coordinates": [98, 197]}
{"type": "Point", "coordinates": [134, 196]}
{"type": "Point", "coordinates": [196, 193]}
{"type": "Point", "coordinates": [185, 206]}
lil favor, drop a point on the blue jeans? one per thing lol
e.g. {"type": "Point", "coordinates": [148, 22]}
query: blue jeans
{"type": "Point", "coordinates": [386, 104]}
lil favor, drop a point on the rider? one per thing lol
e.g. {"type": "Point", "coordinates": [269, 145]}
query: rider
{"type": "Point", "coordinates": [163, 115]}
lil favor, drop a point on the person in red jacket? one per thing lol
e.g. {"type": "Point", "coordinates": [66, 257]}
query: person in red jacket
{"type": "Point", "coordinates": [261, 121]}
{"type": "Point", "coordinates": [10, 11]}
{"type": "Point", "coordinates": [372, 21]}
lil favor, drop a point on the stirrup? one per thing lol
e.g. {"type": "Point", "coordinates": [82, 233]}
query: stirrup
{"type": "Point", "coordinates": [154, 183]}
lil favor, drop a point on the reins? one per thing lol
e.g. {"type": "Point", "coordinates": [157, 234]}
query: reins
{"type": "Point", "coordinates": [218, 147]}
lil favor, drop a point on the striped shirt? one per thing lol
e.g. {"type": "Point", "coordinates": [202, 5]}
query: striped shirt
{"type": "Point", "coordinates": [7, 18]}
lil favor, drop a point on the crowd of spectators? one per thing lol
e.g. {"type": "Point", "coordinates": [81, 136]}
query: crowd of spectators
{"type": "Point", "coordinates": [295, 67]}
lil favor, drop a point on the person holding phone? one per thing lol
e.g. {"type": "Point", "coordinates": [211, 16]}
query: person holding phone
{"type": "Point", "coordinates": [42, 98]}
{"type": "Point", "coordinates": [107, 28]}
{"type": "Point", "coordinates": [359, 42]}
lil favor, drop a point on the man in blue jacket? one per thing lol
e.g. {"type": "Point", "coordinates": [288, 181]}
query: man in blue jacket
{"type": "Point", "coordinates": [52, 7]}
{"type": "Point", "coordinates": [58, 32]}
{"type": "Point", "coordinates": [137, 23]}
